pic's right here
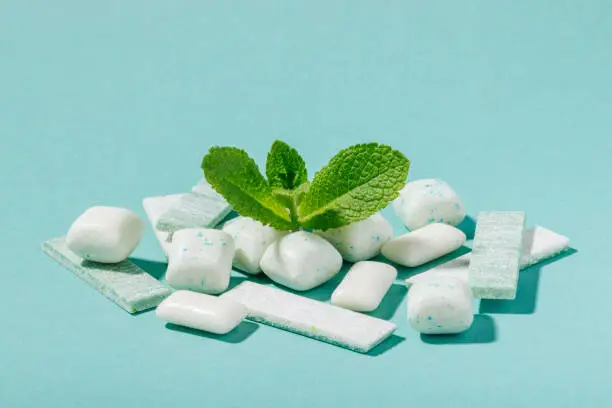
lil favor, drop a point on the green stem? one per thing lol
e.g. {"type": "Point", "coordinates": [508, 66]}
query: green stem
{"type": "Point", "coordinates": [293, 212]}
{"type": "Point", "coordinates": [291, 200]}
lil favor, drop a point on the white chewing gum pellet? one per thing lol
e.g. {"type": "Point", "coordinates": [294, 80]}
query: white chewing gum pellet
{"type": "Point", "coordinates": [301, 261]}
{"type": "Point", "coordinates": [540, 244]}
{"type": "Point", "coordinates": [201, 312]}
{"type": "Point", "coordinates": [105, 234]}
{"type": "Point", "coordinates": [428, 201]}
{"type": "Point", "coordinates": [251, 239]}
{"type": "Point", "coordinates": [364, 286]}
{"type": "Point", "coordinates": [441, 306]}
{"type": "Point", "coordinates": [423, 245]}
{"type": "Point", "coordinates": [360, 240]}
{"type": "Point", "coordinates": [200, 260]}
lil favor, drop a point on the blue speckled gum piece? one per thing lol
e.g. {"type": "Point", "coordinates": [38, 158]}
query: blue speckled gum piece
{"type": "Point", "coordinates": [496, 254]}
{"type": "Point", "coordinates": [203, 207]}
{"type": "Point", "coordinates": [124, 283]}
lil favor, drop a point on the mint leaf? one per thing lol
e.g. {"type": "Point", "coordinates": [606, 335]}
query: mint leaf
{"type": "Point", "coordinates": [291, 199]}
{"type": "Point", "coordinates": [285, 168]}
{"type": "Point", "coordinates": [235, 176]}
{"type": "Point", "coordinates": [357, 182]}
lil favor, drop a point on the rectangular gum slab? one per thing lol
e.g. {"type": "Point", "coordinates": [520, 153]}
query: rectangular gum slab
{"type": "Point", "coordinates": [124, 283]}
{"type": "Point", "coordinates": [199, 209]}
{"type": "Point", "coordinates": [311, 318]}
{"type": "Point", "coordinates": [496, 254]}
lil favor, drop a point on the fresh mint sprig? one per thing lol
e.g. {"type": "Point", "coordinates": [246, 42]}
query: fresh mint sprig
{"type": "Point", "coordinates": [235, 176]}
{"type": "Point", "coordinates": [359, 181]}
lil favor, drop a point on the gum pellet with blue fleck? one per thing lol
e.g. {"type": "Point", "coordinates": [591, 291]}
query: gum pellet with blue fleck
{"type": "Point", "coordinates": [447, 303]}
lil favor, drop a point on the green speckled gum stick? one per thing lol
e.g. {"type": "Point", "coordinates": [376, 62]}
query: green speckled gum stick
{"type": "Point", "coordinates": [124, 283]}
{"type": "Point", "coordinates": [496, 254]}
{"type": "Point", "coordinates": [194, 210]}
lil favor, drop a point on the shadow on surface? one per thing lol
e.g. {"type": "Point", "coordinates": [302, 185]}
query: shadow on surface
{"type": "Point", "coordinates": [468, 226]}
{"type": "Point", "coordinates": [386, 345]}
{"type": "Point", "coordinates": [390, 302]}
{"type": "Point", "coordinates": [238, 277]}
{"type": "Point", "coordinates": [482, 331]}
{"type": "Point", "coordinates": [242, 332]}
{"type": "Point", "coordinates": [323, 293]}
{"type": "Point", "coordinates": [233, 214]}
{"type": "Point", "coordinates": [154, 268]}
{"type": "Point", "coordinates": [236, 280]}
{"type": "Point", "coordinates": [526, 293]}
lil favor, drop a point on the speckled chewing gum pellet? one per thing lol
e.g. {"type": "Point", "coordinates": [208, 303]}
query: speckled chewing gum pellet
{"type": "Point", "coordinates": [124, 283]}
{"type": "Point", "coordinates": [440, 306]}
{"type": "Point", "coordinates": [428, 201]}
{"type": "Point", "coordinates": [321, 321]}
{"type": "Point", "coordinates": [200, 260]}
{"type": "Point", "coordinates": [496, 255]}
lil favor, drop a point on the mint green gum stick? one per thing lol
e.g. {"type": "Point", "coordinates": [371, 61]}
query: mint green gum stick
{"type": "Point", "coordinates": [124, 283]}
{"type": "Point", "coordinates": [496, 255]}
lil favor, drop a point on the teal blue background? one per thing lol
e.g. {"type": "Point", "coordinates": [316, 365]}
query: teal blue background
{"type": "Point", "coordinates": [109, 102]}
